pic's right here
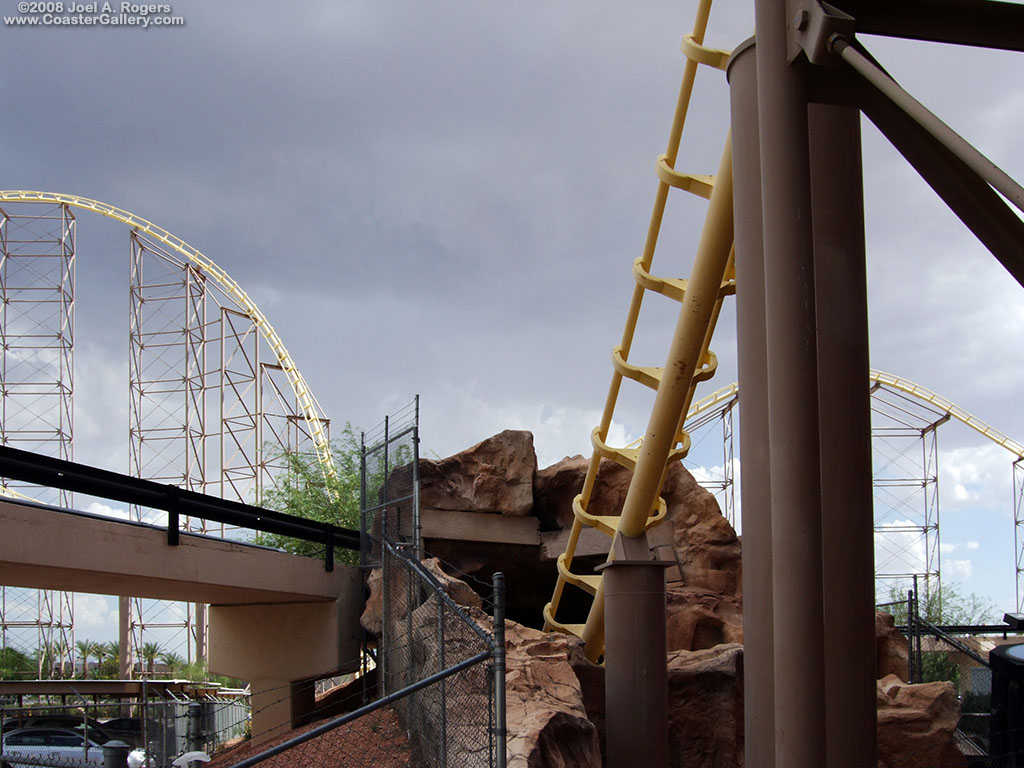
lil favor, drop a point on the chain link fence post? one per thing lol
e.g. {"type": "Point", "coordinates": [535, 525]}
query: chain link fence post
{"type": "Point", "coordinates": [500, 728]}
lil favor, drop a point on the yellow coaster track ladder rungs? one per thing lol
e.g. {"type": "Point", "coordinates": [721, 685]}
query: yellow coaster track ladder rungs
{"type": "Point", "coordinates": [690, 360]}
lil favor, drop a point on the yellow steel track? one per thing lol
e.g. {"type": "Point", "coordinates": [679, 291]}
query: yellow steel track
{"type": "Point", "coordinates": [690, 360]}
{"type": "Point", "coordinates": [311, 410]}
{"type": "Point", "coordinates": [898, 383]}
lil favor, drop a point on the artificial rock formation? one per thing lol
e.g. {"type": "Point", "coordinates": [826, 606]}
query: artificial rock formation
{"type": "Point", "coordinates": [916, 725]}
{"type": "Point", "coordinates": [548, 725]}
{"type": "Point", "coordinates": [704, 589]}
{"type": "Point", "coordinates": [457, 590]}
{"type": "Point", "coordinates": [697, 537]}
{"type": "Point", "coordinates": [891, 648]}
{"type": "Point", "coordinates": [706, 707]}
{"type": "Point", "coordinates": [495, 475]}
{"type": "Point", "coordinates": [556, 697]}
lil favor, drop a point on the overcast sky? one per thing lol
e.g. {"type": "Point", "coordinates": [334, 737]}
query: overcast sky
{"type": "Point", "coordinates": [446, 199]}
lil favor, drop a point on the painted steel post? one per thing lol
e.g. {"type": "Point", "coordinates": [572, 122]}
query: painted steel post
{"type": "Point", "coordinates": [500, 727]}
{"type": "Point", "coordinates": [844, 409]}
{"type": "Point", "coordinates": [636, 672]}
{"type": "Point", "coordinates": [793, 396]}
{"type": "Point", "coordinates": [755, 480]}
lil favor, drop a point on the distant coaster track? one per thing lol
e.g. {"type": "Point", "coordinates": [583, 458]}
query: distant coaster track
{"type": "Point", "coordinates": [311, 410]}
{"type": "Point", "coordinates": [726, 394]}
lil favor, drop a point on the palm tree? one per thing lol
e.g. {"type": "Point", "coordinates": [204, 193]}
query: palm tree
{"type": "Point", "coordinates": [172, 661]}
{"type": "Point", "coordinates": [150, 652]}
{"type": "Point", "coordinates": [87, 648]}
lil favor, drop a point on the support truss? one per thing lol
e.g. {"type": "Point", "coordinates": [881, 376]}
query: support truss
{"type": "Point", "coordinates": [207, 413]}
{"type": "Point", "coordinates": [37, 330]}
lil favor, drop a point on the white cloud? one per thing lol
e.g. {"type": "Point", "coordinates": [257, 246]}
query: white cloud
{"type": "Point", "coordinates": [98, 508]}
{"type": "Point", "coordinates": [96, 617]}
{"type": "Point", "coordinates": [958, 568]}
{"type": "Point", "coordinates": [899, 548]}
{"type": "Point", "coordinates": [465, 417]}
{"type": "Point", "coordinates": [972, 545]}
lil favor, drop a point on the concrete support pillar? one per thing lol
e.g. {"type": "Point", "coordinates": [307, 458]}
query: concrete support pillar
{"type": "Point", "coordinates": [273, 646]}
{"type": "Point", "coordinates": [758, 645]}
{"type": "Point", "coordinates": [124, 636]}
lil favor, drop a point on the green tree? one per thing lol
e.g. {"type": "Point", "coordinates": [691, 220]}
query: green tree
{"type": "Point", "coordinates": [61, 652]}
{"type": "Point", "coordinates": [303, 489]}
{"type": "Point", "coordinates": [150, 652]}
{"type": "Point", "coordinates": [15, 665]}
{"type": "Point", "coordinates": [950, 606]}
{"type": "Point", "coordinates": [110, 661]}
{"type": "Point", "coordinates": [173, 662]}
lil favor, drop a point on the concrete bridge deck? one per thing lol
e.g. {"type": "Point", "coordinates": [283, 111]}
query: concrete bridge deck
{"type": "Point", "coordinates": [45, 548]}
{"type": "Point", "coordinates": [264, 605]}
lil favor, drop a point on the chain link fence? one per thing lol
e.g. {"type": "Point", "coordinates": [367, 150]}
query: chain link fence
{"type": "Point", "coordinates": [439, 667]}
{"type": "Point", "coordinates": [454, 723]}
{"type": "Point", "coordinates": [390, 484]}
{"type": "Point", "coordinates": [984, 673]}
{"type": "Point", "coordinates": [441, 674]}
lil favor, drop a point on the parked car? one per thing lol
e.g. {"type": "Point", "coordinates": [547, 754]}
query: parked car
{"type": "Point", "coordinates": [49, 746]}
{"type": "Point", "coordinates": [96, 731]}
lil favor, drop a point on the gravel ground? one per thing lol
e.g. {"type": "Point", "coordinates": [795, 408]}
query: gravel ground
{"type": "Point", "coordinates": [375, 740]}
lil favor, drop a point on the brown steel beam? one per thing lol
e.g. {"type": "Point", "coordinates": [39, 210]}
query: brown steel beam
{"type": "Point", "coordinates": [845, 422]}
{"type": "Point", "coordinates": [755, 480]}
{"type": "Point", "coordinates": [636, 675]}
{"type": "Point", "coordinates": [982, 23]}
{"type": "Point", "coordinates": [973, 201]}
{"type": "Point", "coordinates": [793, 395]}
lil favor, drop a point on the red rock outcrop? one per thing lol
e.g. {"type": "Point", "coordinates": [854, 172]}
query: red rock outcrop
{"type": "Point", "coordinates": [701, 618]}
{"type": "Point", "coordinates": [457, 590]}
{"type": "Point", "coordinates": [495, 475]}
{"type": "Point", "coordinates": [702, 541]}
{"type": "Point", "coordinates": [916, 725]}
{"type": "Point", "coordinates": [547, 722]}
{"type": "Point", "coordinates": [891, 648]}
{"type": "Point", "coordinates": [706, 707]}
{"type": "Point", "coordinates": [546, 719]}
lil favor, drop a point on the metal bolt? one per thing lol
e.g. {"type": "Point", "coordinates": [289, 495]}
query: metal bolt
{"type": "Point", "coordinates": [800, 19]}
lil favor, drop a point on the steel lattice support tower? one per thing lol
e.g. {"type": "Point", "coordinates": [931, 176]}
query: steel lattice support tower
{"type": "Point", "coordinates": [906, 489]}
{"type": "Point", "coordinates": [722, 485]}
{"type": "Point", "coordinates": [37, 341]}
{"type": "Point", "coordinates": [1018, 523]}
{"type": "Point", "coordinates": [167, 415]}
{"type": "Point", "coordinates": [206, 414]}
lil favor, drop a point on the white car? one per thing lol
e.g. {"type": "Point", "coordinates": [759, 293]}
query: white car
{"type": "Point", "coordinates": [62, 747]}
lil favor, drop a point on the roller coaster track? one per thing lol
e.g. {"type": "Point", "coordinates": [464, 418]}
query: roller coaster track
{"type": "Point", "coordinates": [311, 410]}
{"type": "Point", "coordinates": [898, 383]}
{"type": "Point", "coordinates": [688, 363]}
{"type": "Point", "coordinates": [690, 360]}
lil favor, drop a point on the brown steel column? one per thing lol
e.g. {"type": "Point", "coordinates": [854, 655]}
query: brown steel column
{"type": "Point", "coordinates": [845, 419]}
{"type": "Point", "coordinates": [636, 674]}
{"type": "Point", "coordinates": [755, 483]}
{"type": "Point", "coordinates": [793, 397]}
